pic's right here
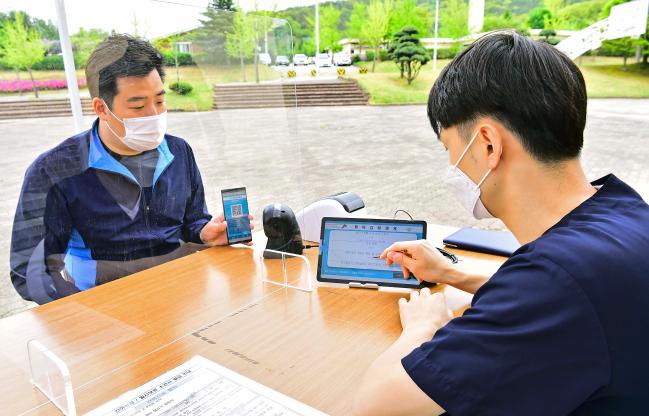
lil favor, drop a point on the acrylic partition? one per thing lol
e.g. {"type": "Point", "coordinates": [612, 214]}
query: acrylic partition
{"type": "Point", "coordinates": [241, 122]}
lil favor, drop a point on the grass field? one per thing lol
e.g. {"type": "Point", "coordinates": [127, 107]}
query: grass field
{"type": "Point", "coordinates": [605, 78]}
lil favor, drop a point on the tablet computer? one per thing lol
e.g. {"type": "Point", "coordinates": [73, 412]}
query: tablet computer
{"type": "Point", "coordinates": [348, 247]}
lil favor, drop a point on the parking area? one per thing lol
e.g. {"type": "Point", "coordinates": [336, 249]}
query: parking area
{"type": "Point", "coordinates": [387, 154]}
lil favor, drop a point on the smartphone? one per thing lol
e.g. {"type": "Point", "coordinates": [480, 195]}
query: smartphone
{"type": "Point", "coordinates": [235, 210]}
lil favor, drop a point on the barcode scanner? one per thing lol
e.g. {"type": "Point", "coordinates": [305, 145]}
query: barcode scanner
{"type": "Point", "coordinates": [282, 230]}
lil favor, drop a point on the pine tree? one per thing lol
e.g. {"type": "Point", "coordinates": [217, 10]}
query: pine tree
{"type": "Point", "coordinates": [408, 53]}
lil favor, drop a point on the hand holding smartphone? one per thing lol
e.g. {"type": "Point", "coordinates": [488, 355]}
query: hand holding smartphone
{"type": "Point", "coordinates": [235, 211]}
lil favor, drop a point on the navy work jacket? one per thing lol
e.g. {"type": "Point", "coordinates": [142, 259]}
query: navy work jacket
{"type": "Point", "coordinates": [81, 211]}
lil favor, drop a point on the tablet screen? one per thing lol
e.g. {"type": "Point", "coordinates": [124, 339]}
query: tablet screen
{"type": "Point", "coordinates": [348, 247]}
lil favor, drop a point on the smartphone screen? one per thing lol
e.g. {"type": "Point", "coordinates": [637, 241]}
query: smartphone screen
{"type": "Point", "coordinates": [235, 210]}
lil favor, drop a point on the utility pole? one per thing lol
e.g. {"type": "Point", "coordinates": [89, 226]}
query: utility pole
{"type": "Point", "coordinates": [68, 63]}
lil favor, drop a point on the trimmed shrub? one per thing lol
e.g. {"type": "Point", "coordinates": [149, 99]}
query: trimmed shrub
{"type": "Point", "coordinates": [50, 63]}
{"type": "Point", "coordinates": [181, 87]}
{"type": "Point", "coordinates": [183, 58]}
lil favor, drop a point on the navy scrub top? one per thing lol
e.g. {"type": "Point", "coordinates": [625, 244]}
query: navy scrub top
{"type": "Point", "coordinates": [561, 328]}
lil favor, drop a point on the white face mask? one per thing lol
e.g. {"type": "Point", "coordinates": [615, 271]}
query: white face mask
{"type": "Point", "coordinates": [142, 133]}
{"type": "Point", "coordinates": [464, 189]}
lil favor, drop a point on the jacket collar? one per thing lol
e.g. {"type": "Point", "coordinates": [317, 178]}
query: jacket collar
{"type": "Point", "coordinates": [99, 158]}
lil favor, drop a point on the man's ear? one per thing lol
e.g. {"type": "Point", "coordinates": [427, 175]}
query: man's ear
{"type": "Point", "coordinates": [491, 139]}
{"type": "Point", "coordinates": [100, 108]}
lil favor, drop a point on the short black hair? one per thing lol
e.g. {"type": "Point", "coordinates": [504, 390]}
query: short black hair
{"type": "Point", "coordinates": [120, 56]}
{"type": "Point", "coordinates": [535, 90]}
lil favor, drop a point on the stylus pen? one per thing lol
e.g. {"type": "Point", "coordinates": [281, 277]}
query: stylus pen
{"type": "Point", "coordinates": [445, 253]}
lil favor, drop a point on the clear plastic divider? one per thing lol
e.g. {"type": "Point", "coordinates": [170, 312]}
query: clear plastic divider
{"type": "Point", "coordinates": [240, 120]}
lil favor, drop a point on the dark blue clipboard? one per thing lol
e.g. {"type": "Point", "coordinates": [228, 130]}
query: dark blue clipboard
{"type": "Point", "coordinates": [501, 243]}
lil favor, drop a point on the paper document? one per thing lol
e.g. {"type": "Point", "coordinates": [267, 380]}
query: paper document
{"type": "Point", "coordinates": [202, 387]}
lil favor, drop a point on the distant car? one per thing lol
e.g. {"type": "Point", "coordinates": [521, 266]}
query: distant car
{"type": "Point", "coordinates": [300, 59]}
{"type": "Point", "coordinates": [342, 59]}
{"type": "Point", "coordinates": [322, 59]}
{"type": "Point", "coordinates": [264, 59]}
{"type": "Point", "coordinates": [282, 60]}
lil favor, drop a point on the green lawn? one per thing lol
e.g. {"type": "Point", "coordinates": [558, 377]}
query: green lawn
{"type": "Point", "coordinates": [385, 87]}
{"type": "Point", "coordinates": [605, 77]}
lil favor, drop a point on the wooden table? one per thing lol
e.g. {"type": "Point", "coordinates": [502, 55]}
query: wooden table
{"type": "Point", "coordinates": [311, 346]}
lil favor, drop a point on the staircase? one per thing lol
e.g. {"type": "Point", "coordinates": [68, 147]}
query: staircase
{"type": "Point", "coordinates": [289, 94]}
{"type": "Point", "coordinates": [33, 108]}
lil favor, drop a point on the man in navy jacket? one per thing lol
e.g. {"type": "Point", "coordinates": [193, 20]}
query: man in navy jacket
{"type": "Point", "coordinates": [118, 198]}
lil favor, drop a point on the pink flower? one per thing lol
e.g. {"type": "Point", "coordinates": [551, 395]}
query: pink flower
{"type": "Point", "coordinates": [42, 84]}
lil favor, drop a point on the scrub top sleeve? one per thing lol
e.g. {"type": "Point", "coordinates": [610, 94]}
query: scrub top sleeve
{"type": "Point", "coordinates": [530, 344]}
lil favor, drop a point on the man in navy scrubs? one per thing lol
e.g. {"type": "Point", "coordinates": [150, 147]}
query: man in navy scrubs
{"type": "Point", "coordinates": [115, 199]}
{"type": "Point", "coordinates": [563, 326]}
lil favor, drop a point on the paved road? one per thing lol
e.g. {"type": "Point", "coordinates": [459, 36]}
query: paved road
{"type": "Point", "coordinates": [389, 155]}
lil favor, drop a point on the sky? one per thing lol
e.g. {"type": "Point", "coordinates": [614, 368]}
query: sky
{"type": "Point", "coordinates": [153, 18]}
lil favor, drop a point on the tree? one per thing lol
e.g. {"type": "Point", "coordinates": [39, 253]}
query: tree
{"type": "Point", "coordinates": [84, 42]}
{"type": "Point", "coordinates": [21, 47]}
{"type": "Point", "coordinates": [397, 37]}
{"type": "Point", "coordinates": [549, 36]}
{"type": "Point", "coordinates": [47, 29]}
{"type": "Point", "coordinates": [454, 20]}
{"type": "Point", "coordinates": [643, 44]}
{"type": "Point", "coordinates": [227, 5]}
{"type": "Point", "coordinates": [505, 21]}
{"type": "Point", "coordinates": [537, 18]}
{"type": "Point", "coordinates": [240, 42]}
{"type": "Point", "coordinates": [329, 23]}
{"type": "Point", "coordinates": [554, 20]}
{"type": "Point", "coordinates": [376, 26]}
{"type": "Point", "coordinates": [408, 53]}
{"type": "Point", "coordinates": [210, 39]}
{"type": "Point", "coordinates": [409, 13]}
{"type": "Point", "coordinates": [357, 20]}
{"type": "Point", "coordinates": [578, 16]}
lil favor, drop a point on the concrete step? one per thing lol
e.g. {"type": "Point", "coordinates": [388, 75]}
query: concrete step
{"type": "Point", "coordinates": [288, 95]}
{"type": "Point", "coordinates": [32, 115]}
{"type": "Point", "coordinates": [53, 107]}
{"type": "Point", "coordinates": [281, 91]}
{"type": "Point", "coordinates": [35, 103]}
{"type": "Point", "coordinates": [293, 99]}
{"type": "Point", "coordinates": [263, 104]}
{"type": "Point", "coordinates": [288, 85]}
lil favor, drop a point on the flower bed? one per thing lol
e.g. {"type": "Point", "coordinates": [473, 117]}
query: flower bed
{"type": "Point", "coordinates": [42, 84]}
